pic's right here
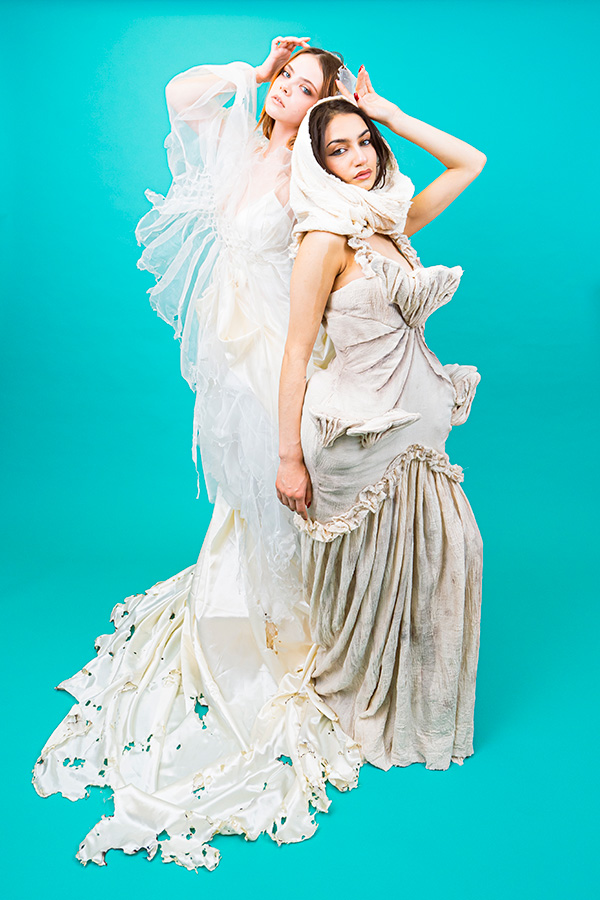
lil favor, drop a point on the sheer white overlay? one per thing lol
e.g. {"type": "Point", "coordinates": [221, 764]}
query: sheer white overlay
{"type": "Point", "coordinates": [198, 710]}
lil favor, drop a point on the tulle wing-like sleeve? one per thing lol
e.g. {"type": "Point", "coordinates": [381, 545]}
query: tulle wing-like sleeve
{"type": "Point", "coordinates": [212, 114]}
{"type": "Point", "coordinates": [218, 247]}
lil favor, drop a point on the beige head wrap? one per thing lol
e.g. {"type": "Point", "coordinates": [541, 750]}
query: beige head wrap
{"type": "Point", "coordinates": [323, 202]}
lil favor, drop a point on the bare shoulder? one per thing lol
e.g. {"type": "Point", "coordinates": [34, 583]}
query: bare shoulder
{"type": "Point", "coordinates": [324, 243]}
{"type": "Point", "coordinates": [319, 261]}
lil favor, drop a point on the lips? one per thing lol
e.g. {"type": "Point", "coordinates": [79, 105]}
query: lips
{"type": "Point", "coordinates": [362, 176]}
{"type": "Point", "coordinates": [276, 99]}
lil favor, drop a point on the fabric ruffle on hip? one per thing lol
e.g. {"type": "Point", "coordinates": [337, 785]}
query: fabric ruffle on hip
{"type": "Point", "coordinates": [395, 607]}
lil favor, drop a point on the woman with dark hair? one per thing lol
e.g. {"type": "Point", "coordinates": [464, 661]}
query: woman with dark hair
{"type": "Point", "coordinates": [195, 704]}
{"type": "Point", "coordinates": [317, 129]}
{"type": "Point", "coordinates": [392, 555]}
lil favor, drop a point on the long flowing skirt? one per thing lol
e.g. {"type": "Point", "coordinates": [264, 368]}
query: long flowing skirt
{"type": "Point", "coordinates": [201, 715]}
{"type": "Point", "coordinates": [395, 595]}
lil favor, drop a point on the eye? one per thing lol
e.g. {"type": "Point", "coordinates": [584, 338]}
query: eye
{"type": "Point", "coordinates": [307, 91]}
{"type": "Point", "coordinates": [338, 151]}
{"type": "Point", "coordinates": [286, 73]}
{"type": "Point", "coordinates": [366, 141]}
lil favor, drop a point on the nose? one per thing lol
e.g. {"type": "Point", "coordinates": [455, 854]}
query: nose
{"type": "Point", "coordinates": [360, 156]}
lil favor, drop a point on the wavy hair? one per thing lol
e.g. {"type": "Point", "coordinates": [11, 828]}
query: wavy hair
{"type": "Point", "coordinates": [330, 65]}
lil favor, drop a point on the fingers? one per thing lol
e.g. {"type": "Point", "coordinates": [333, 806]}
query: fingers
{"type": "Point", "coordinates": [289, 42]}
{"type": "Point", "coordinates": [301, 508]}
{"type": "Point", "coordinates": [286, 499]}
{"type": "Point", "coordinates": [299, 504]}
{"type": "Point", "coordinates": [283, 498]}
{"type": "Point", "coordinates": [363, 82]}
{"type": "Point", "coordinates": [345, 92]}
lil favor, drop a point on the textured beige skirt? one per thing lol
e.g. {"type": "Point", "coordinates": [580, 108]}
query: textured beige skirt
{"type": "Point", "coordinates": [395, 596]}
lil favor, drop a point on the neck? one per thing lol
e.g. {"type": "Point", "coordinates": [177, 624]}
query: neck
{"type": "Point", "coordinates": [280, 136]}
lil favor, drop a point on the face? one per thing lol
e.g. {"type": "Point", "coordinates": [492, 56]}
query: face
{"type": "Point", "coordinates": [295, 90]}
{"type": "Point", "coordinates": [349, 153]}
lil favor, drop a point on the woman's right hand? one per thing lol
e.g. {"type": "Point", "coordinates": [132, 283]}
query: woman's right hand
{"type": "Point", "coordinates": [293, 486]}
{"type": "Point", "coordinates": [281, 50]}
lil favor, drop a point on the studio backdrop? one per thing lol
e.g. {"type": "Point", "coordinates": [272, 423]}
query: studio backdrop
{"type": "Point", "coordinates": [100, 489]}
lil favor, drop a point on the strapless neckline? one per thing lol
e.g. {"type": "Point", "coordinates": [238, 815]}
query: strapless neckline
{"type": "Point", "coordinates": [387, 259]}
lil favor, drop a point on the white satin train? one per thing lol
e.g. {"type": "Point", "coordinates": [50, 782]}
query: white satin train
{"type": "Point", "coordinates": [200, 714]}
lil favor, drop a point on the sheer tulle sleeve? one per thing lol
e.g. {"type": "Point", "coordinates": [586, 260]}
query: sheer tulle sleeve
{"type": "Point", "coordinates": [212, 114]}
{"type": "Point", "coordinates": [217, 245]}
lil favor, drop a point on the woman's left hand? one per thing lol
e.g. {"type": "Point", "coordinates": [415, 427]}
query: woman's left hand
{"type": "Point", "coordinates": [376, 107]}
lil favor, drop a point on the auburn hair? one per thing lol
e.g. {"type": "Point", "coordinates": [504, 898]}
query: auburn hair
{"type": "Point", "coordinates": [330, 65]}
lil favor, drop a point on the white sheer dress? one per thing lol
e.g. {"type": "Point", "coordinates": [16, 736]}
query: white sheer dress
{"type": "Point", "coordinates": [198, 709]}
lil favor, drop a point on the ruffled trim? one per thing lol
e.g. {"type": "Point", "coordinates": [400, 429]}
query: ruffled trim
{"type": "Point", "coordinates": [363, 254]}
{"type": "Point", "coordinates": [403, 243]}
{"type": "Point", "coordinates": [464, 380]}
{"type": "Point", "coordinates": [330, 428]}
{"type": "Point", "coordinates": [369, 431]}
{"type": "Point", "coordinates": [371, 498]}
{"type": "Point", "coordinates": [372, 430]}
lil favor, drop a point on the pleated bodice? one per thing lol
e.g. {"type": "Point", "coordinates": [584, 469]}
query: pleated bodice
{"type": "Point", "coordinates": [385, 390]}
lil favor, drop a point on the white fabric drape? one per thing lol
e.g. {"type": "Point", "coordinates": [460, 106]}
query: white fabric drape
{"type": "Point", "coordinates": [198, 709]}
{"type": "Point", "coordinates": [323, 202]}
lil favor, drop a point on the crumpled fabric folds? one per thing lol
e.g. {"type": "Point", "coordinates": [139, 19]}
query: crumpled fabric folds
{"type": "Point", "coordinates": [198, 710]}
{"type": "Point", "coordinates": [395, 609]}
{"type": "Point", "coordinates": [229, 696]}
{"type": "Point", "coordinates": [391, 552]}
{"type": "Point", "coordinates": [202, 719]}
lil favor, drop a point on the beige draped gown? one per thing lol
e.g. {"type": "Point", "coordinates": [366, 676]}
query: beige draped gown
{"type": "Point", "coordinates": [392, 555]}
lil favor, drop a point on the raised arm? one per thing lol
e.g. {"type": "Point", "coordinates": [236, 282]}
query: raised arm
{"type": "Point", "coordinates": [319, 261]}
{"type": "Point", "coordinates": [462, 161]}
{"type": "Point", "coordinates": [186, 89]}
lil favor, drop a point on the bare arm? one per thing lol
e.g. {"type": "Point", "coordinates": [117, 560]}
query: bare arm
{"type": "Point", "coordinates": [319, 261]}
{"type": "Point", "coordinates": [462, 161]}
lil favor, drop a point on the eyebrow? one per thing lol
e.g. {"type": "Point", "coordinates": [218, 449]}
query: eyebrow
{"type": "Point", "coordinates": [345, 140]}
{"type": "Point", "coordinates": [308, 81]}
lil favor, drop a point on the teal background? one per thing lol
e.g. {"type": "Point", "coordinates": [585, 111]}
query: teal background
{"type": "Point", "coordinates": [99, 487]}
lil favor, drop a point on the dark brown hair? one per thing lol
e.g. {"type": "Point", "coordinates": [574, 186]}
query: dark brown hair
{"type": "Point", "coordinates": [319, 118]}
{"type": "Point", "coordinates": [330, 65]}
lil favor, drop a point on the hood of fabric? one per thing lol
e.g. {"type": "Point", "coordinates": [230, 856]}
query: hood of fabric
{"type": "Point", "coordinates": [322, 202]}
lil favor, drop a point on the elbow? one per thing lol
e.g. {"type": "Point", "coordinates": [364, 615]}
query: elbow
{"type": "Point", "coordinates": [473, 167]}
{"type": "Point", "coordinates": [295, 356]}
{"type": "Point", "coordinates": [295, 360]}
{"type": "Point", "coordinates": [479, 162]}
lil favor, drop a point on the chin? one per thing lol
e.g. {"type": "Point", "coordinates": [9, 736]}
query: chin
{"type": "Point", "coordinates": [365, 186]}
{"type": "Point", "coordinates": [276, 111]}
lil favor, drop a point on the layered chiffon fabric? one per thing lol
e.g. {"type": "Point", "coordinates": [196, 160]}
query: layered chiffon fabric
{"type": "Point", "coordinates": [198, 708]}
